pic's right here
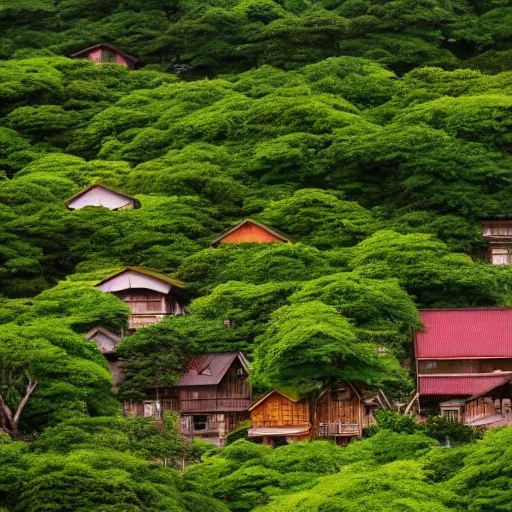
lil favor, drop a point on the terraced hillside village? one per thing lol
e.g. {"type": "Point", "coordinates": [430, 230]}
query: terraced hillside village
{"type": "Point", "coordinates": [255, 255]}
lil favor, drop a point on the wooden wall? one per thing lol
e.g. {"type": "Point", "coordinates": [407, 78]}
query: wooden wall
{"type": "Point", "coordinates": [340, 411]}
{"type": "Point", "coordinates": [464, 366]}
{"type": "Point", "coordinates": [279, 411]}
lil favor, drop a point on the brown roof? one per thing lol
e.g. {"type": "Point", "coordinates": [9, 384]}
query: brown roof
{"type": "Point", "coordinates": [106, 332]}
{"type": "Point", "coordinates": [136, 202]}
{"type": "Point", "coordinates": [273, 231]}
{"type": "Point", "coordinates": [105, 45]}
{"type": "Point", "coordinates": [157, 275]}
{"type": "Point", "coordinates": [209, 369]}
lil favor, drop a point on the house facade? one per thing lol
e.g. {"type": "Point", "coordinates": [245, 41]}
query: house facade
{"type": "Point", "coordinates": [104, 53]}
{"type": "Point", "coordinates": [106, 341]}
{"type": "Point", "coordinates": [212, 397]}
{"type": "Point", "coordinates": [498, 233]}
{"type": "Point", "coordinates": [151, 296]}
{"type": "Point", "coordinates": [250, 231]}
{"type": "Point", "coordinates": [339, 413]}
{"type": "Point", "coordinates": [464, 365]}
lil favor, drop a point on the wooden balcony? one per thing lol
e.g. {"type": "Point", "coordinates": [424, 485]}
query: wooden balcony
{"type": "Point", "coordinates": [338, 429]}
{"type": "Point", "coordinates": [213, 404]}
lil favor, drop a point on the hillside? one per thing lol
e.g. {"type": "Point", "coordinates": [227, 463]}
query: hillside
{"type": "Point", "coordinates": [374, 134]}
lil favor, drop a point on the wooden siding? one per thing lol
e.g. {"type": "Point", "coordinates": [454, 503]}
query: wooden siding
{"type": "Point", "coordinates": [339, 412]}
{"type": "Point", "coordinates": [249, 233]}
{"type": "Point", "coordinates": [278, 411]}
{"type": "Point", "coordinates": [463, 366]}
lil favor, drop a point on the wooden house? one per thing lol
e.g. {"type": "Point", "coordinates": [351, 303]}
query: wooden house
{"type": "Point", "coordinates": [339, 413]}
{"type": "Point", "coordinates": [151, 296]}
{"type": "Point", "coordinates": [498, 233]}
{"type": "Point", "coordinates": [212, 397]}
{"type": "Point", "coordinates": [104, 53]}
{"type": "Point", "coordinates": [464, 365]}
{"type": "Point", "coordinates": [278, 415]}
{"type": "Point", "coordinates": [250, 231]}
{"type": "Point", "coordinates": [107, 341]}
{"type": "Point", "coordinates": [100, 195]}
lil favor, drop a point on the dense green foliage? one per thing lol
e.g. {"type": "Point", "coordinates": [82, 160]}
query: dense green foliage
{"type": "Point", "coordinates": [374, 133]}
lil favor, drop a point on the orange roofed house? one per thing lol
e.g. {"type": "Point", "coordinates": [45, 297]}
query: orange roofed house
{"type": "Point", "coordinates": [250, 231]}
{"type": "Point", "coordinates": [104, 53]}
{"type": "Point", "coordinates": [100, 195]}
{"type": "Point", "coordinates": [464, 365]}
{"type": "Point", "coordinates": [212, 397]}
{"type": "Point", "coordinates": [151, 296]}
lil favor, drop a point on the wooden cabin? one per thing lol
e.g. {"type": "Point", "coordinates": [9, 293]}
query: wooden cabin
{"type": "Point", "coordinates": [212, 397]}
{"type": "Point", "coordinates": [498, 233]}
{"type": "Point", "coordinates": [464, 364]}
{"type": "Point", "coordinates": [279, 416]}
{"type": "Point", "coordinates": [107, 341]}
{"type": "Point", "coordinates": [339, 413]}
{"type": "Point", "coordinates": [104, 53]}
{"type": "Point", "coordinates": [342, 412]}
{"type": "Point", "coordinates": [151, 296]}
{"type": "Point", "coordinates": [100, 195]}
{"type": "Point", "coordinates": [250, 231]}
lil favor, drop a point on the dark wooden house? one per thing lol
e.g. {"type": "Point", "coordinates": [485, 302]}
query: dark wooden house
{"type": "Point", "coordinates": [151, 296]}
{"type": "Point", "coordinates": [250, 231]}
{"type": "Point", "coordinates": [100, 195]}
{"type": "Point", "coordinates": [104, 53]}
{"type": "Point", "coordinates": [464, 365]}
{"type": "Point", "coordinates": [212, 397]}
{"type": "Point", "coordinates": [107, 341]}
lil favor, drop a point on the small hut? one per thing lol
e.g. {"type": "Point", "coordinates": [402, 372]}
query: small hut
{"type": "Point", "coordinates": [107, 341]}
{"type": "Point", "coordinates": [250, 231]}
{"type": "Point", "coordinates": [278, 416]}
{"type": "Point", "coordinates": [104, 53]}
{"type": "Point", "coordinates": [100, 195]}
{"type": "Point", "coordinates": [150, 295]}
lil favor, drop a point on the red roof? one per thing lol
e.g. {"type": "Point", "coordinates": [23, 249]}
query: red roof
{"type": "Point", "coordinates": [464, 384]}
{"type": "Point", "coordinates": [209, 369]}
{"type": "Point", "coordinates": [464, 334]}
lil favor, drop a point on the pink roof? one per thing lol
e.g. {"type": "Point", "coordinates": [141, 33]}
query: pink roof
{"type": "Point", "coordinates": [464, 384]}
{"type": "Point", "coordinates": [465, 334]}
{"type": "Point", "coordinates": [209, 369]}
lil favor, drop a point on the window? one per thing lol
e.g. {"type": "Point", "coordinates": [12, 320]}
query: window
{"type": "Point", "coordinates": [200, 422]}
{"type": "Point", "coordinates": [450, 414]}
{"type": "Point", "coordinates": [430, 365]}
{"type": "Point", "coordinates": [108, 56]}
{"type": "Point", "coordinates": [501, 256]}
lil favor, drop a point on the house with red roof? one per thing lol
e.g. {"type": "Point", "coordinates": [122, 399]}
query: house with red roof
{"type": "Point", "coordinates": [212, 397]}
{"type": "Point", "coordinates": [464, 365]}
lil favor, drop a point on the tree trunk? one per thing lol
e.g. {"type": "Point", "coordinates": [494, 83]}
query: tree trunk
{"type": "Point", "coordinates": [10, 421]}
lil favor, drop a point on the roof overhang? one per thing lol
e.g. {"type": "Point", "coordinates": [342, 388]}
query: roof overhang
{"type": "Point", "coordinates": [279, 432]}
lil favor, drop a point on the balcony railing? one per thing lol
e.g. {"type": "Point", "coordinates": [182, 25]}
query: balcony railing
{"type": "Point", "coordinates": [213, 404]}
{"type": "Point", "coordinates": [338, 429]}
